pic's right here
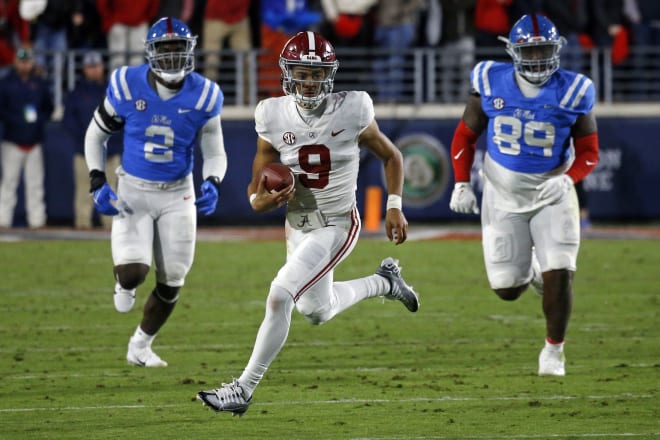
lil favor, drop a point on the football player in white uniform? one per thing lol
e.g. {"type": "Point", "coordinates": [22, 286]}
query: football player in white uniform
{"type": "Point", "coordinates": [317, 134]}
{"type": "Point", "coordinates": [164, 109]}
{"type": "Point", "coordinates": [541, 139]}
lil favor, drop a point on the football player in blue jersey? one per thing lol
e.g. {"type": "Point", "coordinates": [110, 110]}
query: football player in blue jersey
{"type": "Point", "coordinates": [164, 109]}
{"type": "Point", "coordinates": [541, 138]}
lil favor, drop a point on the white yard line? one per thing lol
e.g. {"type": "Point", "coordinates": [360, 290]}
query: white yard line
{"type": "Point", "coordinates": [625, 396]}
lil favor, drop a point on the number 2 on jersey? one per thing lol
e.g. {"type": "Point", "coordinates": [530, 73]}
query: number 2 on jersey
{"type": "Point", "coordinates": [155, 152]}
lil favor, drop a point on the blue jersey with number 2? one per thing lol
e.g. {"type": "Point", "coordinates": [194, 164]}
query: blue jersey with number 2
{"type": "Point", "coordinates": [160, 135]}
{"type": "Point", "coordinates": [530, 135]}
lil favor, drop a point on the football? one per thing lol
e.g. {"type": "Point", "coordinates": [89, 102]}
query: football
{"type": "Point", "coordinates": [278, 176]}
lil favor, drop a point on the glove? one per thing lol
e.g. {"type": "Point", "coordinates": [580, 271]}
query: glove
{"type": "Point", "coordinates": [554, 188]}
{"type": "Point", "coordinates": [463, 199]}
{"type": "Point", "coordinates": [102, 197]}
{"type": "Point", "coordinates": [207, 203]}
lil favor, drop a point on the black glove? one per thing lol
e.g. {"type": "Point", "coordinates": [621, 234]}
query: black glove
{"type": "Point", "coordinates": [96, 180]}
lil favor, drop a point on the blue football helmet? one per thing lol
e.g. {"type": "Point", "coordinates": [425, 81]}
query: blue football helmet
{"type": "Point", "coordinates": [170, 49]}
{"type": "Point", "coordinates": [534, 45]}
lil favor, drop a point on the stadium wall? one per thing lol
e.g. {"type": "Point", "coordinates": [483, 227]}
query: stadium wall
{"type": "Point", "coordinates": [623, 187]}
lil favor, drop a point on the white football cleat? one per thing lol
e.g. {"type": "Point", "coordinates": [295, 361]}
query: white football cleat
{"type": "Point", "coordinates": [537, 277]}
{"type": "Point", "coordinates": [230, 397]}
{"type": "Point", "coordinates": [143, 356]}
{"type": "Point", "coordinates": [124, 299]}
{"type": "Point", "coordinates": [551, 361]}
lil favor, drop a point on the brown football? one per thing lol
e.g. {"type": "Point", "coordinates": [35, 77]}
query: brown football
{"type": "Point", "coordinates": [278, 176]}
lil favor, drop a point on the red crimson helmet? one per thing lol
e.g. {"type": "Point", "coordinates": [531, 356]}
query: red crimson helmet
{"type": "Point", "coordinates": [308, 86]}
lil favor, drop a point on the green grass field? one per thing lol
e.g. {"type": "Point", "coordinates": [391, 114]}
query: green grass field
{"type": "Point", "coordinates": [463, 367]}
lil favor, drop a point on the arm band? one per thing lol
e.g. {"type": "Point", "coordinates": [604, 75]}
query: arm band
{"type": "Point", "coordinates": [586, 157]}
{"type": "Point", "coordinates": [463, 146]}
{"type": "Point", "coordinates": [107, 122]}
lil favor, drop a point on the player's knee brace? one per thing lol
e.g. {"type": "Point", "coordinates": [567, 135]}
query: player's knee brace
{"type": "Point", "coordinates": [166, 294]}
{"type": "Point", "coordinates": [131, 275]}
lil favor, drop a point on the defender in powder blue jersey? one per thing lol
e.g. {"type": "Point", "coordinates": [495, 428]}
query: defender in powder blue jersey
{"type": "Point", "coordinates": [541, 139]}
{"type": "Point", "coordinates": [165, 110]}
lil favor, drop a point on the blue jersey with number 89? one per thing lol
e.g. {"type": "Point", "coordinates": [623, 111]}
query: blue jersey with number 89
{"type": "Point", "coordinates": [530, 135]}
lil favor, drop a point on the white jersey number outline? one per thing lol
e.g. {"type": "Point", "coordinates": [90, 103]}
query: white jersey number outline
{"type": "Point", "coordinates": [155, 152]}
{"type": "Point", "coordinates": [530, 130]}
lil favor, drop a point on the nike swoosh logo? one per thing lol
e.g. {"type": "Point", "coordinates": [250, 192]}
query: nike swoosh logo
{"type": "Point", "coordinates": [184, 110]}
{"type": "Point", "coordinates": [589, 163]}
{"type": "Point", "coordinates": [335, 133]}
{"type": "Point", "coordinates": [459, 154]}
{"type": "Point", "coordinates": [186, 197]}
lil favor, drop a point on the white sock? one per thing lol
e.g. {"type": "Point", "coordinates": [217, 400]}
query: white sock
{"type": "Point", "coordinates": [141, 338]}
{"type": "Point", "coordinates": [271, 337]}
{"type": "Point", "coordinates": [348, 293]}
{"type": "Point", "coordinates": [556, 347]}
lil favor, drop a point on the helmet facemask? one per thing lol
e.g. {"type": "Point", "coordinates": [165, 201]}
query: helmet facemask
{"type": "Point", "coordinates": [536, 61]}
{"type": "Point", "coordinates": [308, 82]}
{"type": "Point", "coordinates": [171, 58]}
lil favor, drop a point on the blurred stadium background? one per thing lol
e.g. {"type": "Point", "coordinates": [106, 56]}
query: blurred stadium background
{"type": "Point", "coordinates": [420, 120]}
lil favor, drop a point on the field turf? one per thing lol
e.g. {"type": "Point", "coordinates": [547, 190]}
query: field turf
{"type": "Point", "coordinates": [463, 367]}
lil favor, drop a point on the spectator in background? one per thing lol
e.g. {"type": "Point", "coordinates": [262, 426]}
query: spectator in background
{"type": "Point", "coordinates": [644, 19]}
{"type": "Point", "coordinates": [605, 21]}
{"type": "Point", "coordinates": [280, 20]}
{"type": "Point", "coordinates": [181, 9]}
{"type": "Point", "coordinates": [604, 25]}
{"type": "Point", "coordinates": [78, 110]}
{"type": "Point", "coordinates": [395, 31]}
{"type": "Point", "coordinates": [85, 31]}
{"type": "Point", "coordinates": [13, 29]}
{"type": "Point", "coordinates": [25, 107]}
{"type": "Point", "coordinates": [225, 20]}
{"type": "Point", "coordinates": [492, 19]}
{"type": "Point", "coordinates": [50, 34]}
{"type": "Point", "coordinates": [126, 23]}
{"type": "Point", "coordinates": [570, 17]}
{"type": "Point", "coordinates": [457, 39]}
{"type": "Point", "coordinates": [347, 22]}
